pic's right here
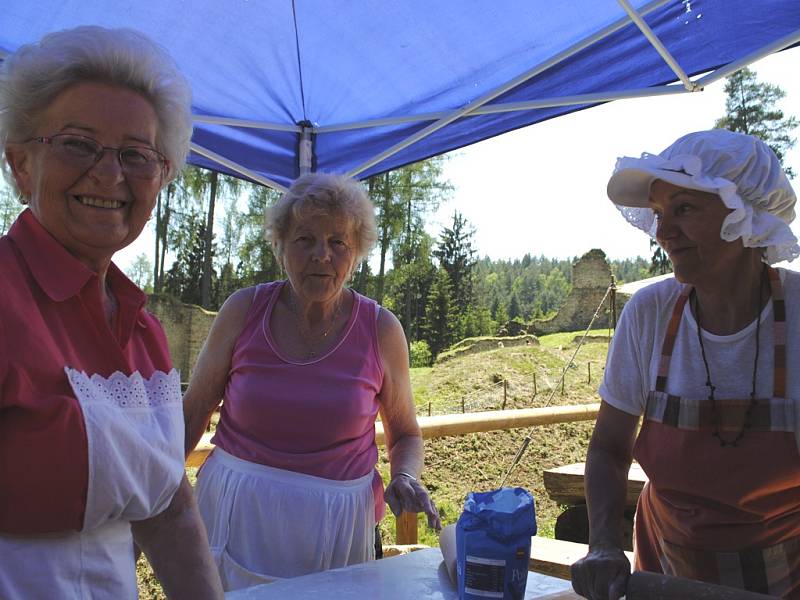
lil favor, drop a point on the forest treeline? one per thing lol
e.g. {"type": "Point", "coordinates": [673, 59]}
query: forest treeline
{"type": "Point", "coordinates": [436, 284]}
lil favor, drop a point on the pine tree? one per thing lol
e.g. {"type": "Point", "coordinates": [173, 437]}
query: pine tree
{"type": "Point", "coordinates": [440, 314]}
{"type": "Point", "coordinates": [456, 255]}
{"type": "Point", "coordinates": [751, 107]}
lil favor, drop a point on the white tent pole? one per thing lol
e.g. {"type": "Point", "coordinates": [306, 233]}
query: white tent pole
{"type": "Point", "coordinates": [656, 43]}
{"type": "Point", "coordinates": [593, 98]}
{"type": "Point", "coordinates": [209, 154]}
{"type": "Point", "coordinates": [305, 150]}
{"type": "Point", "coordinates": [561, 56]}
{"type": "Point", "coordinates": [210, 120]}
{"type": "Point", "coordinates": [731, 68]}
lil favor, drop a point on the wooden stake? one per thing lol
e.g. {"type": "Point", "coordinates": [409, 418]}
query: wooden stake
{"type": "Point", "coordinates": [505, 393]}
{"type": "Point", "coordinates": [429, 409]}
{"type": "Point", "coordinates": [589, 365]}
{"type": "Point", "coordinates": [406, 528]}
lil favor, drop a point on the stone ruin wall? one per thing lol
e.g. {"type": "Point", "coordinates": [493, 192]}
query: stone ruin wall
{"type": "Point", "coordinates": [591, 276]}
{"type": "Point", "coordinates": [186, 326]}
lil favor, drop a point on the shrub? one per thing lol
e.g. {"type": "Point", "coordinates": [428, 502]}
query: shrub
{"type": "Point", "coordinates": [421, 354]}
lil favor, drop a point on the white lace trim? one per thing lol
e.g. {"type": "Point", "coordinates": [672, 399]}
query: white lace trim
{"type": "Point", "coordinates": [751, 221]}
{"type": "Point", "coordinates": [127, 391]}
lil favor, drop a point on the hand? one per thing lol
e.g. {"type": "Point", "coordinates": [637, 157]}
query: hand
{"type": "Point", "coordinates": [602, 574]}
{"type": "Point", "coordinates": [406, 494]}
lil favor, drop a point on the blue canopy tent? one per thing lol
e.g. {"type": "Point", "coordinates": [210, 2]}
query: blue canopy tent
{"type": "Point", "coordinates": [363, 86]}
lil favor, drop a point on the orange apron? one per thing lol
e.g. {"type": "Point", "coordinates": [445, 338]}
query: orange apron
{"type": "Point", "coordinates": [727, 515]}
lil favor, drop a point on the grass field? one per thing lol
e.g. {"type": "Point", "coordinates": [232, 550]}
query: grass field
{"type": "Point", "coordinates": [477, 462]}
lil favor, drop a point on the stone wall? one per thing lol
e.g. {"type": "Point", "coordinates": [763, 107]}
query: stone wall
{"type": "Point", "coordinates": [591, 276]}
{"type": "Point", "coordinates": [187, 327]}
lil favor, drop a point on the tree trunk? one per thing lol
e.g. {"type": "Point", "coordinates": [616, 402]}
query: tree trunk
{"type": "Point", "coordinates": [384, 236]}
{"type": "Point", "coordinates": [205, 282]}
{"type": "Point", "coordinates": [164, 233]}
{"type": "Point", "coordinates": [156, 284]}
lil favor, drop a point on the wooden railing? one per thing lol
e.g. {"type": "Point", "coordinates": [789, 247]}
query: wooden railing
{"type": "Point", "coordinates": [452, 425]}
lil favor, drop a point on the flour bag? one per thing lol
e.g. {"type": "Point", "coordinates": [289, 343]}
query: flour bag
{"type": "Point", "coordinates": [493, 543]}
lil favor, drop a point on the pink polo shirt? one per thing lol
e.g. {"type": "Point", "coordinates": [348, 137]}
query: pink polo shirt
{"type": "Point", "coordinates": [51, 317]}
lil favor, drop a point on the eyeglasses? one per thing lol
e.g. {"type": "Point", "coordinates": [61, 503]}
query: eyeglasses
{"type": "Point", "coordinates": [83, 152]}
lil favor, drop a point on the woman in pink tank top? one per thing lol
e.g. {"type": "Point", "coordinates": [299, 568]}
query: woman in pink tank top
{"type": "Point", "coordinates": [305, 366]}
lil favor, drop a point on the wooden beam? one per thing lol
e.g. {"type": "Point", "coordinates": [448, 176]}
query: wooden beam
{"type": "Point", "coordinates": [495, 420]}
{"type": "Point", "coordinates": [458, 424]}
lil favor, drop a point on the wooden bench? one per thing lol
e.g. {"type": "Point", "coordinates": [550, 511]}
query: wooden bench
{"type": "Point", "coordinates": [554, 557]}
{"type": "Point", "coordinates": [566, 485]}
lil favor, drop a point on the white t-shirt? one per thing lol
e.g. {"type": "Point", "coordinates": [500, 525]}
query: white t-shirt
{"type": "Point", "coordinates": [633, 359]}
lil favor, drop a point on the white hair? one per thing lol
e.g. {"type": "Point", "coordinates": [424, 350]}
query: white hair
{"type": "Point", "coordinates": [33, 76]}
{"type": "Point", "coordinates": [327, 194]}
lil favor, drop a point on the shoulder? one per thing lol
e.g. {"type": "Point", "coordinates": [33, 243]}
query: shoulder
{"type": "Point", "coordinates": [654, 298]}
{"type": "Point", "coordinates": [790, 279]}
{"type": "Point", "coordinates": [389, 325]}
{"type": "Point", "coordinates": [236, 307]}
{"type": "Point", "coordinates": [391, 338]}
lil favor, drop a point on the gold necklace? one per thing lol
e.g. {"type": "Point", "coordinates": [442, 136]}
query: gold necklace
{"type": "Point", "coordinates": [306, 336]}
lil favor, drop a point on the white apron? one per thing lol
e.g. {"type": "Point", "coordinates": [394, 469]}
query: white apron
{"type": "Point", "coordinates": [266, 524]}
{"type": "Point", "coordinates": [135, 431]}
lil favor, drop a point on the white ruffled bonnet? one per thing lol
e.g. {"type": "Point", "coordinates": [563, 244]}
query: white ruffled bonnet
{"type": "Point", "coordinates": [741, 169]}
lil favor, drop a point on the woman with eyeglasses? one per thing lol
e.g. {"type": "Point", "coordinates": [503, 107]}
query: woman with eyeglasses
{"type": "Point", "coordinates": [96, 122]}
{"type": "Point", "coordinates": [706, 359]}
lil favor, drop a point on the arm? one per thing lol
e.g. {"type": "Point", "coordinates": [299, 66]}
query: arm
{"type": "Point", "coordinates": [210, 375]}
{"type": "Point", "coordinates": [176, 544]}
{"type": "Point", "coordinates": [603, 572]}
{"type": "Point", "coordinates": [403, 436]}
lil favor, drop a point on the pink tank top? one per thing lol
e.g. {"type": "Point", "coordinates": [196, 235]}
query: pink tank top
{"type": "Point", "coordinates": [315, 417]}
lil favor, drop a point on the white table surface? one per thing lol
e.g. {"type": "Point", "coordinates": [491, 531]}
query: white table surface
{"type": "Point", "coordinates": [420, 574]}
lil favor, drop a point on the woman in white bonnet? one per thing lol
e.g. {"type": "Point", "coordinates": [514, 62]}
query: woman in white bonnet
{"type": "Point", "coordinates": [702, 358]}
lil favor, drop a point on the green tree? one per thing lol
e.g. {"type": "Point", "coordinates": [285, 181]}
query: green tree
{"type": "Point", "coordinates": [257, 263]}
{"type": "Point", "coordinates": [553, 289]}
{"type": "Point", "coordinates": [751, 107]}
{"type": "Point", "coordinates": [409, 283]}
{"type": "Point", "coordinates": [659, 263]}
{"type": "Point", "coordinates": [440, 314]}
{"type": "Point", "coordinates": [141, 273]}
{"type": "Point", "coordinates": [400, 197]}
{"type": "Point", "coordinates": [203, 184]}
{"type": "Point", "coordinates": [10, 207]}
{"type": "Point", "coordinates": [183, 279]}
{"type": "Point", "coordinates": [456, 255]}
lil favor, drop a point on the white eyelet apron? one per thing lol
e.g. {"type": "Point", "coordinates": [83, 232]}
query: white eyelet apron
{"type": "Point", "coordinates": [135, 431]}
{"type": "Point", "coordinates": [266, 524]}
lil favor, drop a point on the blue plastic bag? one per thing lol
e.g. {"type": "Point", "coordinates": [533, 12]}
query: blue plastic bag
{"type": "Point", "coordinates": [493, 544]}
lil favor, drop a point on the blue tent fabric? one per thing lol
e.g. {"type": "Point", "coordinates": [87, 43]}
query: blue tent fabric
{"type": "Point", "coordinates": [337, 65]}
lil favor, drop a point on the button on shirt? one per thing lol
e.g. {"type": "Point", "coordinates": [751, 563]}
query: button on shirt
{"type": "Point", "coordinates": [51, 317]}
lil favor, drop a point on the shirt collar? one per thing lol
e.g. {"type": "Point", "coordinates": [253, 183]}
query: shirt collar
{"type": "Point", "coordinates": [58, 273]}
